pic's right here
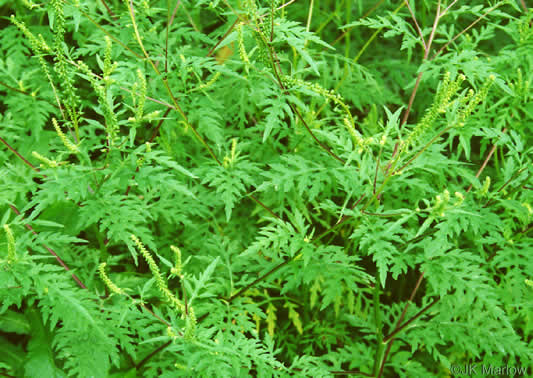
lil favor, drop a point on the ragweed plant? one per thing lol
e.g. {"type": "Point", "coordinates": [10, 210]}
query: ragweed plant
{"type": "Point", "coordinates": [265, 188]}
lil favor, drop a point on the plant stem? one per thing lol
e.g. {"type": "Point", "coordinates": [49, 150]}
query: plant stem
{"type": "Point", "coordinates": [347, 36]}
{"type": "Point", "coordinates": [379, 328]}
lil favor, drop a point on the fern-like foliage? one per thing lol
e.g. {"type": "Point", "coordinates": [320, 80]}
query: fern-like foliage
{"type": "Point", "coordinates": [265, 188]}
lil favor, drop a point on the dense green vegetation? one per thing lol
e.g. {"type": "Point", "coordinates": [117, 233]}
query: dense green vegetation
{"type": "Point", "coordinates": [256, 188]}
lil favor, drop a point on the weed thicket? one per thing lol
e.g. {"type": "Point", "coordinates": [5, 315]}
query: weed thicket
{"type": "Point", "coordinates": [266, 188]}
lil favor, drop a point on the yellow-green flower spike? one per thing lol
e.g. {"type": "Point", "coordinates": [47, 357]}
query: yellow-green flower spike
{"type": "Point", "coordinates": [11, 250]}
{"type": "Point", "coordinates": [161, 284]}
{"type": "Point", "coordinates": [242, 49]}
{"type": "Point", "coordinates": [190, 324]}
{"type": "Point", "coordinates": [112, 287]}
{"type": "Point", "coordinates": [177, 269]}
{"type": "Point", "coordinates": [486, 186]}
{"type": "Point", "coordinates": [460, 198]}
{"type": "Point", "coordinates": [140, 95]}
{"type": "Point", "coordinates": [66, 142]}
{"type": "Point", "coordinates": [108, 66]}
{"type": "Point", "coordinates": [45, 160]}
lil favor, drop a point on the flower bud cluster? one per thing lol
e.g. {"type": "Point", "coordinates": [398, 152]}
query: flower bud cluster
{"type": "Point", "coordinates": [242, 49]}
{"type": "Point", "coordinates": [446, 91]}
{"type": "Point", "coordinates": [177, 269]}
{"type": "Point", "coordinates": [110, 285]}
{"type": "Point", "coordinates": [160, 282]}
{"type": "Point", "coordinates": [45, 160]}
{"type": "Point", "coordinates": [475, 100]}
{"type": "Point", "coordinates": [486, 185]}
{"type": "Point", "coordinates": [520, 87]}
{"type": "Point", "coordinates": [138, 94]}
{"type": "Point", "coordinates": [103, 99]}
{"type": "Point", "coordinates": [230, 160]}
{"type": "Point", "coordinates": [11, 251]}
{"type": "Point", "coordinates": [360, 143]}
{"type": "Point", "coordinates": [66, 142]}
{"type": "Point", "coordinates": [443, 202]}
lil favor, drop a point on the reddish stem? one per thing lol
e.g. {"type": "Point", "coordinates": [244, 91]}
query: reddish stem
{"type": "Point", "coordinates": [52, 252]}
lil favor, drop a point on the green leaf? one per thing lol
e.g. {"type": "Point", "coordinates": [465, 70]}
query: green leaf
{"type": "Point", "coordinates": [39, 360]}
{"type": "Point", "coordinates": [14, 322]}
